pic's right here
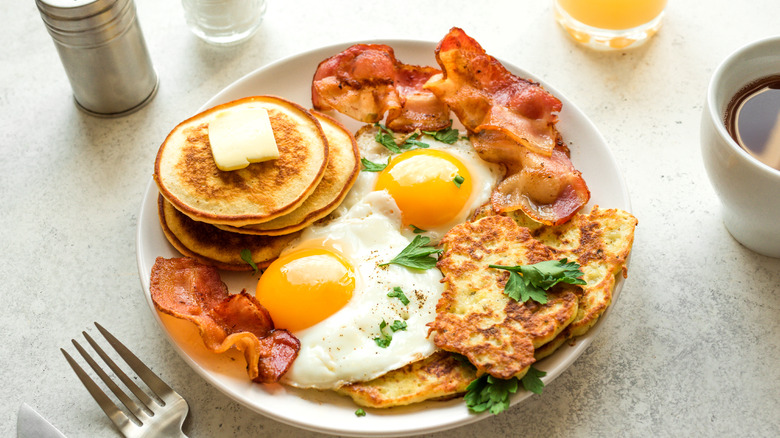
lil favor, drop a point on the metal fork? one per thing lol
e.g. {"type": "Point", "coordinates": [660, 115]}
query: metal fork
{"type": "Point", "coordinates": [161, 416]}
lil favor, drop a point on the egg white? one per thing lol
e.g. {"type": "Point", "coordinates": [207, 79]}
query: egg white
{"type": "Point", "coordinates": [341, 349]}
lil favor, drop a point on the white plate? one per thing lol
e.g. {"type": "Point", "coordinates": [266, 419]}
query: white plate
{"type": "Point", "coordinates": [323, 411]}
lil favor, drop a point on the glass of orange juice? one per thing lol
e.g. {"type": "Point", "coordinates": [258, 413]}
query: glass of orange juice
{"type": "Point", "coordinates": [610, 24]}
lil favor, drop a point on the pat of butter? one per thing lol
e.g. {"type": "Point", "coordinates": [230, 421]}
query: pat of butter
{"type": "Point", "coordinates": [242, 136]}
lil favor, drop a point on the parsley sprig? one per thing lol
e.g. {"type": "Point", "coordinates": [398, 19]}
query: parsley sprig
{"type": "Point", "coordinates": [532, 381]}
{"type": "Point", "coordinates": [487, 393]}
{"type": "Point", "coordinates": [532, 281]}
{"type": "Point", "coordinates": [416, 255]}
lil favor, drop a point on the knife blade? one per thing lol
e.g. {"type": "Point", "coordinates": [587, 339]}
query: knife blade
{"type": "Point", "coordinates": [30, 424]}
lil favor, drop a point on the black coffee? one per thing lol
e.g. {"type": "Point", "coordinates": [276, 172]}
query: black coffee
{"type": "Point", "coordinates": [753, 119]}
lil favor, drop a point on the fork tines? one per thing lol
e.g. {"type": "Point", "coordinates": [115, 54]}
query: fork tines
{"type": "Point", "coordinates": [137, 416]}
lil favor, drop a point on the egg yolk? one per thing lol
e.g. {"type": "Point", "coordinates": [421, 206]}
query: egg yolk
{"type": "Point", "coordinates": [430, 187]}
{"type": "Point", "coordinates": [304, 287]}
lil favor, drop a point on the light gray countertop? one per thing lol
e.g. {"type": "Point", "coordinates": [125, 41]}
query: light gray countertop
{"type": "Point", "coordinates": [691, 348]}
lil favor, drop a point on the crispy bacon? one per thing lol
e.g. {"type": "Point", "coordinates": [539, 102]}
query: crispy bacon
{"type": "Point", "coordinates": [547, 189]}
{"type": "Point", "coordinates": [486, 96]}
{"type": "Point", "coordinates": [366, 81]}
{"type": "Point", "coordinates": [186, 289]}
{"type": "Point", "coordinates": [510, 121]}
{"type": "Point", "coordinates": [420, 109]}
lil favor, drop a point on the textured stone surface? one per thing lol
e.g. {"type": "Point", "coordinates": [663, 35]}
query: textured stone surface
{"type": "Point", "coordinates": [690, 349]}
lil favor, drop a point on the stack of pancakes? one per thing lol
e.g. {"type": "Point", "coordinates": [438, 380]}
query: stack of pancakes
{"type": "Point", "coordinates": [213, 215]}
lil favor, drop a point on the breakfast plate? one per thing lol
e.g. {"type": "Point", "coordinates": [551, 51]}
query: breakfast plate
{"type": "Point", "coordinates": [325, 411]}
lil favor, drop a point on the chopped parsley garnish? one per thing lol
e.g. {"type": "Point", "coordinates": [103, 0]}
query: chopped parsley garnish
{"type": "Point", "coordinates": [398, 325]}
{"type": "Point", "coordinates": [360, 413]}
{"type": "Point", "coordinates": [447, 135]}
{"type": "Point", "coordinates": [458, 180]}
{"type": "Point", "coordinates": [384, 338]}
{"type": "Point", "coordinates": [412, 141]}
{"type": "Point", "coordinates": [532, 281]}
{"type": "Point", "coordinates": [416, 255]}
{"type": "Point", "coordinates": [417, 230]}
{"type": "Point", "coordinates": [246, 255]}
{"type": "Point", "coordinates": [398, 293]}
{"type": "Point", "coordinates": [386, 138]}
{"type": "Point", "coordinates": [487, 393]}
{"type": "Point", "coordinates": [370, 166]}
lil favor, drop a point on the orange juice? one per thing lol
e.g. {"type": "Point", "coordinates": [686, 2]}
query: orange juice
{"type": "Point", "coordinates": [610, 24]}
{"type": "Point", "coordinates": [613, 14]}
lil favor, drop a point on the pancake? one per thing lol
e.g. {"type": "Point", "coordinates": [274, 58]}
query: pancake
{"type": "Point", "coordinates": [498, 334]}
{"type": "Point", "coordinates": [210, 245]}
{"type": "Point", "coordinates": [440, 376]}
{"type": "Point", "coordinates": [340, 174]}
{"type": "Point", "coordinates": [186, 174]}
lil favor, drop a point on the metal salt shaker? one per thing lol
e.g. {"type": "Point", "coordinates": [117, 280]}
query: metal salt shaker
{"type": "Point", "coordinates": [104, 54]}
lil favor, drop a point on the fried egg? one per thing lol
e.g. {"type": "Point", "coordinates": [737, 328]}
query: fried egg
{"type": "Point", "coordinates": [330, 287]}
{"type": "Point", "coordinates": [435, 188]}
{"type": "Point", "coordinates": [331, 290]}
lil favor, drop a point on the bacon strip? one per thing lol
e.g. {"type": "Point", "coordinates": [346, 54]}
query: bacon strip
{"type": "Point", "coordinates": [186, 289]}
{"type": "Point", "coordinates": [486, 96]}
{"type": "Point", "coordinates": [547, 189]}
{"type": "Point", "coordinates": [510, 121]}
{"type": "Point", "coordinates": [366, 81]}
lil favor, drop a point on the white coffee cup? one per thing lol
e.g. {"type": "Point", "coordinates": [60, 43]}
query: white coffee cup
{"type": "Point", "coordinates": [748, 189]}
